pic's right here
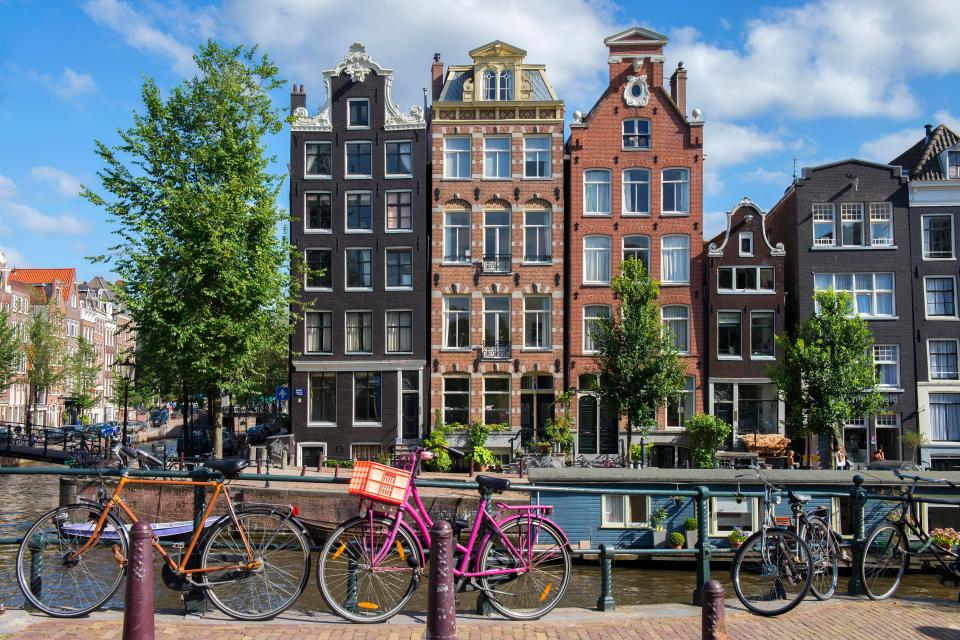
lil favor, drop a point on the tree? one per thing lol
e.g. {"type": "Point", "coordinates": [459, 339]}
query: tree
{"type": "Point", "coordinates": [827, 375]}
{"type": "Point", "coordinates": [11, 351]}
{"type": "Point", "coordinates": [640, 367]}
{"type": "Point", "coordinates": [706, 433]}
{"type": "Point", "coordinates": [81, 369]}
{"type": "Point", "coordinates": [203, 267]}
{"type": "Point", "coordinates": [45, 353]}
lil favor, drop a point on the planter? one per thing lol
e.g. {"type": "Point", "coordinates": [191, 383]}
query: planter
{"type": "Point", "coordinates": [635, 465]}
{"type": "Point", "coordinates": [659, 538]}
{"type": "Point", "coordinates": [692, 538]}
{"type": "Point", "coordinates": [482, 468]}
{"type": "Point", "coordinates": [735, 545]}
{"type": "Point", "coordinates": [678, 546]}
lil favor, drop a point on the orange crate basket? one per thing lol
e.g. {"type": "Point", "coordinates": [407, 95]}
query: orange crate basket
{"type": "Point", "coordinates": [379, 482]}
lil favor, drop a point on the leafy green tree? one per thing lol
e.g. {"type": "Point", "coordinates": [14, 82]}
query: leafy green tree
{"type": "Point", "coordinates": [706, 433]}
{"type": "Point", "coordinates": [640, 367]}
{"type": "Point", "coordinates": [435, 441]}
{"type": "Point", "coordinates": [11, 351]}
{"type": "Point", "coordinates": [826, 375]}
{"type": "Point", "coordinates": [81, 369]}
{"type": "Point", "coordinates": [204, 268]}
{"type": "Point", "coordinates": [45, 353]}
{"type": "Point", "coordinates": [559, 428]}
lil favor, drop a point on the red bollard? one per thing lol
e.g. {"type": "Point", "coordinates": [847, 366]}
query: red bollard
{"type": "Point", "coordinates": [441, 599]}
{"type": "Point", "coordinates": [138, 601]}
{"type": "Point", "coordinates": [303, 471]}
{"type": "Point", "coordinates": [713, 625]}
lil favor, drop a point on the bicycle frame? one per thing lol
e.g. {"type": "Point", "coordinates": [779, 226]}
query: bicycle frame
{"type": "Point", "coordinates": [909, 519]}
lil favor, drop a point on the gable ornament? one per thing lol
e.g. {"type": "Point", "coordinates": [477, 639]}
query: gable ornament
{"type": "Point", "coordinates": [636, 93]}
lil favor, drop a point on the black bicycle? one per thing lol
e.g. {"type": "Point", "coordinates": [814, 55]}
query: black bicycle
{"type": "Point", "coordinates": [814, 528]}
{"type": "Point", "coordinates": [887, 549]}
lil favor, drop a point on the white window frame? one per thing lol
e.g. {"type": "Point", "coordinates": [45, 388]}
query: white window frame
{"type": "Point", "coordinates": [630, 520]}
{"type": "Point", "coordinates": [306, 333]}
{"type": "Point", "coordinates": [306, 212]}
{"type": "Point", "coordinates": [353, 405]}
{"type": "Point", "coordinates": [886, 361]}
{"type": "Point", "coordinates": [648, 135]}
{"type": "Point", "coordinates": [329, 146]}
{"type": "Point", "coordinates": [508, 393]}
{"type": "Point", "coordinates": [623, 248]}
{"type": "Point", "coordinates": [773, 315]}
{"type": "Point", "coordinates": [953, 236]}
{"type": "Point", "coordinates": [852, 212]}
{"type": "Point", "coordinates": [346, 271]}
{"type": "Point", "coordinates": [588, 320]}
{"type": "Point", "coordinates": [321, 423]}
{"type": "Point", "coordinates": [386, 269]}
{"type": "Point", "coordinates": [386, 211]}
{"type": "Point", "coordinates": [733, 280]}
{"type": "Point", "coordinates": [386, 144]}
{"type": "Point", "coordinates": [929, 359]}
{"type": "Point", "coordinates": [358, 127]}
{"type": "Point", "coordinates": [346, 162]}
{"type": "Point", "coordinates": [537, 157]}
{"type": "Point", "coordinates": [346, 210]}
{"type": "Point", "coordinates": [488, 85]}
{"type": "Point", "coordinates": [748, 236]}
{"type": "Point", "coordinates": [544, 232]}
{"type": "Point", "coordinates": [956, 298]}
{"type": "Point", "coordinates": [386, 330]}
{"type": "Point", "coordinates": [346, 331]}
{"type": "Point", "coordinates": [881, 213]}
{"type": "Point", "coordinates": [497, 153]}
{"type": "Point", "coordinates": [727, 356]}
{"type": "Point", "coordinates": [873, 291]}
{"type": "Point", "coordinates": [627, 184]}
{"type": "Point", "coordinates": [445, 316]}
{"type": "Point", "coordinates": [547, 321]}
{"type": "Point", "coordinates": [716, 531]}
{"type": "Point", "coordinates": [663, 192]}
{"type": "Point", "coordinates": [686, 337]}
{"type": "Point", "coordinates": [505, 85]}
{"type": "Point", "coordinates": [306, 286]}
{"type": "Point", "coordinates": [664, 262]}
{"type": "Point", "coordinates": [609, 251]}
{"type": "Point", "coordinates": [443, 394]}
{"type": "Point", "coordinates": [586, 190]}
{"type": "Point", "coordinates": [823, 213]}
{"type": "Point", "coordinates": [952, 167]}
{"type": "Point", "coordinates": [447, 174]}
{"type": "Point", "coordinates": [469, 231]}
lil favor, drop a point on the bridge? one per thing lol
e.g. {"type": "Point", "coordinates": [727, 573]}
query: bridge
{"type": "Point", "coordinates": [61, 445]}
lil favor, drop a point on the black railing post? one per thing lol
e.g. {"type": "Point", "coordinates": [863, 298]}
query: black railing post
{"type": "Point", "coordinates": [859, 497]}
{"type": "Point", "coordinates": [703, 542]}
{"type": "Point", "coordinates": [441, 597]}
{"type": "Point", "coordinates": [605, 602]}
{"type": "Point", "coordinates": [46, 441]}
{"type": "Point", "coordinates": [138, 601]}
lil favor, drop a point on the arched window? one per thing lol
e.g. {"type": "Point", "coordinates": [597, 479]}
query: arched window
{"type": "Point", "coordinates": [636, 192]}
{"type": "Point", "coordinates": [506, 85]}
{"type": "Point", "coordinates": [489, 84]}
{"type": "Point", "coordinates": [596, 259]}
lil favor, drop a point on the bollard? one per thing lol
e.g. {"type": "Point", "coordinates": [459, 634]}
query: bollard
{"type": "Point", "coordinates": [68, 491]}
{"type": "Point", "coordinates": [37, 544]}
{"type": "Point", "coordinates": [441, 599]}
{"type": "Point", "coordinates": [859, 496]}
{"type": "Point", "coordinates": [520, 467]}
{"type": "Point", "coordinates": [484, 608]}
{"type": "Point", "coordinates": [713, 625]}
{"type": "Point", "coordinates": [606, 602]}
{"type": "Point", "coordinates": [336, 471]}
{"type": "Point", "coordinates": [303, 471]}
{"type": "Point", "coordinates": [259, 460]}
{"type": "Point", "coordinates": [703, 543]}
{"type": "Point", "coordinates": [351, 602]}
{"type": "Point", "coordinates": [138, 600]}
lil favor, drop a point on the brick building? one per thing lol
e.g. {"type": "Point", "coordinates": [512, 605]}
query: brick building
{"type": "Point", "coordinates": [635, 179]}
{"type": "Point", "coordinates": [496, 338]}
{"type": "Point", "coordinates": [15, 299]}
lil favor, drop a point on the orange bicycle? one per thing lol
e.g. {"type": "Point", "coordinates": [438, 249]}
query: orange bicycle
{"type": "Point", "coordinates": [253, 559]}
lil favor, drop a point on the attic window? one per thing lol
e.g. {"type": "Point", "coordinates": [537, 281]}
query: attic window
{"type": "Point", "coordinates": [953, 165]}
{"type": "Point", "coordinates": [497, 86]}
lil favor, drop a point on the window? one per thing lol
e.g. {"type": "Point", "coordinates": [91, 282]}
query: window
{"type": "Point", "coordinates": [745, 279]}
{"type": "Point", "coordinates": [596, 260]}
{"type": "Point", "coordinates": [496, 326]}
{"type": "Point", "coordinates": [941, 297]}
{"type": "Point", "coordinates": [456, 400]}
{"type": "Point", "coordinates": [366, 396]}
{"type": "Point", "coordinates": [399, 331]}
{"type": "Point", "coordinates": [675, 259]}
{"type": "Point", "coordinates": [727, 514]}
{"type": "Point", "coordinates": [358, 113]}
{"type": "Point", "coordinates": [456, 236]}
{"type": "Point", "coordinates": [319, 263]}
{"type": "Point", "coordinates": [625, 511]}
{"type": "Point", "coordinates": [537, 237]}
{"type": "Point", "coordinates": [359, 159]}
{"type": "Point", "coordinates": [489, 85]}
{"type": "Point", "coordinates": [881, 224]}
{"type": "Point", "coordinates": [456, 158]}
{"type": "Point", "coordinates": [496, 400]}
{"type": "Point", "coordinates": [676, 319]}
{"type": "Point", "coordinates": [399, 158]}
{"type": "Point", "coordinates": [399, 211]}
{"type": "Point", "coordinates": [638, 248]}
{"type": "Point", "coordinates": [728, 334]}
{"type": "Point", "coordinates": [359, 212]}
{"type": "Point", "coordinates": [872, 292]}
{"type": "Point", "coordinates": [636, 134]}
{"type": "Point", "coordinates": [593, 316]}
{"type": "Point", "coordinates": [596, 192]}
{"type": "Point", "coordinates": [953, 165]}
{"type": "Point", "coordinates": [636, 192]}
{"type": "Point", "coordinates": [317, 159]}
{"type": "Point", "coordinates": [319, 325]}
{"type": "Point", "coordinates": [359, 268]}
{"type": "Point", "coordinates": [497, 86]}
{"type": "Point", "coordinates": [318, 216]}
{"type": "Point", "coordinates": [945, 416]}
{"type": "Point", "coordinates": [762, 343]}
{"type": "Point", "coordinates": [886, 360]}
{"type": "Point", "coordinates": [359, 332]}
{"type": "Point", "coordinates": [536, 157]}
{"type": "Point", "coordinates": [536, 322]}
{"type": "Point", "coordinates": [823, 225]}
{"type": "Point", "coordinates": [943, 359]}
{"type": "Point", "coordinates": [399, 268]}
{"type": "Point", "coordinates": [938, 237]}
{"type": "Point", "coordinates": [676, 191]}
{"type": "Point", "coordinates": [678, 411]}
{"type": "Point", "coordinates": [73, 330]}
{"type": "Point", "coordinates": [506, 85]}
{"type": "Point", "coordinates": [496, 157]}
{"type": "Point", "coordinates": [746, 244]}
{"type": "Point", "coordinates": [496, 240]}
{"type": "Point", "coordinates": [456, 322]}
{"type": "Point", "coordinates": [851, 224]}
{"type": "Point", "coordinates": [323, 397]}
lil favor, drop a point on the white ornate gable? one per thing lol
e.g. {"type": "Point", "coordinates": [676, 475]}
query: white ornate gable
{"type": "Point", "coordinates": [713, 251]}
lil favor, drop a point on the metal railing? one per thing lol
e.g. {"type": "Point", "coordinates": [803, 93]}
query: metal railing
{"type": "Point", "coordinates": [496, 349]}
{"type": "Point", "coordinates": [498, 263]}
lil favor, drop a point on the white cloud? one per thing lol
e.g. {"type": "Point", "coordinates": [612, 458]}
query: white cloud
{"type": "Point", "coordinates": [727, 144]}
{"type": "Point", "coordinates": [33, 220]}
{"type": "Point", "coordinates": [8, 187]}
{"type": "Point", "coordinates": [714, 222]}
{"type": "Point", "coordinates": [66, 183]}
{"type": "Point", "coordinates": [769, 177]}
{"type": "Point", "coordinates": [69, 85]}
{"type": "Point", "coordinates": [889, 146]}
{"type": "Point", "coordinates": [945, 117]}
{"type": "Point", "coordinates": [14, 257]}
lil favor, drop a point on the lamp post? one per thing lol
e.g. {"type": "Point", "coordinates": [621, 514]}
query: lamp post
{"type": "Point", "coordinates": [127, 369]}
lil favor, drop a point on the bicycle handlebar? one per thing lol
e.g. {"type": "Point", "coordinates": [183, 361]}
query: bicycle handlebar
{"type": "Point", "coordinates": [916, 478]}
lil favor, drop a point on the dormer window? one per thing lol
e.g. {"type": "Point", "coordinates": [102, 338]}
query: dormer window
{"type": "Point", "coordinates": [746, 244]}
{"type": "Point", "coordinates": [497, 86]}
{"type": "Point", "coordinates": [358, 113]}
{"type": "Point", "coordinates": [636, 134]}
{"type": "Point", "coordinates": [506, 85]}
{"type": "Point", "coordinates": [953, 165]}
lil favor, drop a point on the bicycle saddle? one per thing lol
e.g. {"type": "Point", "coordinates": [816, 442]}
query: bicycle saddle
{"type": "Point", "coordinates": [800, 498]}
{"type": "Point", "coordinates": [493, 484]}
{"type": "Point", "coordinates": [227, 466]}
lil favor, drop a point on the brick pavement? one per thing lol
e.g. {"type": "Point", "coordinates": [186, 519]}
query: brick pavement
{"type": "Point", "coordinates": [840, 618]}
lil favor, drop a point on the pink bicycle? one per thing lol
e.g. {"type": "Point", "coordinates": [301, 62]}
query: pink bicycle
{"type": "Point", "coordinates": [370, 566]}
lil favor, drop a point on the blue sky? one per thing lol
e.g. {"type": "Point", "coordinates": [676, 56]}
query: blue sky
{"type": "Point", "coordinates": [812, 81]}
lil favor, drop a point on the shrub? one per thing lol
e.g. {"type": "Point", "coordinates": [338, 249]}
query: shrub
{"type": "Point", "coordinates": [705, 432]}
{"type": "Point", "coordinates": [946, 538]}
{"type": "Point", "coordinates": [434, 441]}
{"type": "Point", "coordinates": [677, 539]}
{"type": "Point", "coordinates": [559, 429]}
{"type": "Point", "coordinates": [477, 434]}
{"type": "Point", "coordinates": [690, 524]}
{"type": "Point", "coordinates": [659, 517]}
{"type": "Point", "coordinates": [737, 536]}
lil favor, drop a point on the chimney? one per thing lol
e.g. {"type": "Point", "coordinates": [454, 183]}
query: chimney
{"type": "Point", "coordinates": [678, 88]}
{"type": "Point", "coordinates": [436, 72]}
{"type": "Point", "coordinates": [298, 98]}
{"type": "Point", "coordinates": [929, 132]}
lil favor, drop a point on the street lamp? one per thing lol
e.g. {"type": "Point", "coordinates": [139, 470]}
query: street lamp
{"type": "Point", "coordinates": [127, 368]}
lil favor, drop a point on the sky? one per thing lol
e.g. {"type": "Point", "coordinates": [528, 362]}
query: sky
{"type": "Point", "coordinates": [779, 84]}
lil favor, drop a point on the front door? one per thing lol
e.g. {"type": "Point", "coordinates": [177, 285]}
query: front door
{"type": "Point", "coordinates": [410, 405]}
{"type": "Point", "coordinates": [609, 431]}
{"type": "Point", "coordinates": [587, 432]}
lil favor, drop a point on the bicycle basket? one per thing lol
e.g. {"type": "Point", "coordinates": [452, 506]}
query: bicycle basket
{"type": "Point", "coordinates": [379, 482]}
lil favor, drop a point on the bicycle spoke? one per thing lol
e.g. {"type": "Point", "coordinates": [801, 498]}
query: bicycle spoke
{"type": "Point", "coordinates": [772, 572]}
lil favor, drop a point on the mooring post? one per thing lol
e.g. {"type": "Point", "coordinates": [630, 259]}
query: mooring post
{"type": "Point", "coordinates": [37, 544]}
{"type": "Point", "coordinates": [703, 542]}
{"type": "Point", "coordinates": [303, 471]}
{"type": "Point", "coordinates": [138, 603]}
{"type": "Point", "coordinates": [605, 602]}
{"type": "Point", "coordinates": [320, 463]}
{"type": "Point", "coordinates": [68, 491]}
{"type": "Point", "coordinates": [520, 467]}
{"type": "Point", "coordinates": [859, 497]}
{"type": "Point", "coordinates": [713, 624]}
{"type": "Point", "coordinates": [441, 599]}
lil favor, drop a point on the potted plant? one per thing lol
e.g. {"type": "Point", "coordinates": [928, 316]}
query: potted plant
{"type": "Point", "coordinates": [676, 540]}
{"type": "Point", "coordinates": [476, 436]}
{"type": "Point", "coordinates": [559, 429]}
{"type": "Point", "coordinates": [945, 538]}
{"type": "Point", "coordinates": [693, 532]}
{"type": "Point", "coordinates": [736, 538]}
{"type": "Point", "coordinates": [657, 518]}
{"type": "Point", "coordinates": [636, 455]}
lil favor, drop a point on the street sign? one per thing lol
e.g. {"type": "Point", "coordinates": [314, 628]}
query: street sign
{"type": "Point", "coordinates": [282, 393]}
{"type": "Point", "coordinates": [299, 392]}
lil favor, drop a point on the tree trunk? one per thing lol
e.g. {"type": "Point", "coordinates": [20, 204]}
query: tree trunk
{"type": "Point", "coordinates": [216, 420]}
{"type": "Point", "coordinates": [626, 458]}
{"type": "Point", "coordinates": [184, 427]}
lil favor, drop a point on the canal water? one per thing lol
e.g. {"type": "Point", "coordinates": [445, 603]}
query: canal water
{"type": "Point", "coordinates": [24, 498]}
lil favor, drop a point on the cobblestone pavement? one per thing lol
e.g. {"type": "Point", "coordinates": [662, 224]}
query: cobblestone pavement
{"type": "Point", "coordinates": [840, 618]}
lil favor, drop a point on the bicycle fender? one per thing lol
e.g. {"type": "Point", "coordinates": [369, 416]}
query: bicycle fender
{"type": "Point", "coordinates": [280, 510]}
{"type": "Point", "coordinates": [504, 521]}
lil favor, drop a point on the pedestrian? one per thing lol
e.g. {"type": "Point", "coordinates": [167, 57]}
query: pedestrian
{"type": "Point", "coordinates": [878, 455]}
{"type": "Point", "coordinates": [840, 459]}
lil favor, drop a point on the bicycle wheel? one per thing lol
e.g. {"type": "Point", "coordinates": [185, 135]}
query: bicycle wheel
{"type": "Point", "coordinates": [884, 560]}
{"type": "Point", "coordinates": [351, 586]}
{"type": "Point", "coordinates": [62, 584]}
{"type": "Point", "coordinates": [771, 571]}
{"type": "Point", "coordinates": [826, 554]}
{"type": "Point", "coordinates": [543, 568]}
{"type": "Point", "coordinates": [281, 548]}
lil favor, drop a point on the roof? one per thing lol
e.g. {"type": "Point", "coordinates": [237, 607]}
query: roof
{"type": "Point", "coordinates": [538, 86]}
{"type": "Point", "coordinates": [635, 35]}
{"type": "Point", "coordinates": [922, 161]}
{"type": "Point", "coordinates": [497, 48]}
{"type": "Point", "coordinates": [453, 89]}
{"type": "Point", "coordinates": [46, 277]}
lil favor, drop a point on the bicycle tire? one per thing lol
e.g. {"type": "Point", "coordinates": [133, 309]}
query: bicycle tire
{"type": "Point", "coordinates": [278, 541]}
{"type": "Point", "coordinates": [494, 586]}
{"type": "Point", "coordinates": [819, 538]}
{"type": "Point", "coordinates": [47, 543]}
{"type": "Point", "coordinates": [790, 549]}
{"type": "Point", "coordinates": [884, 559]}
{"type": "Point", "coordinates": [347, 596]}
